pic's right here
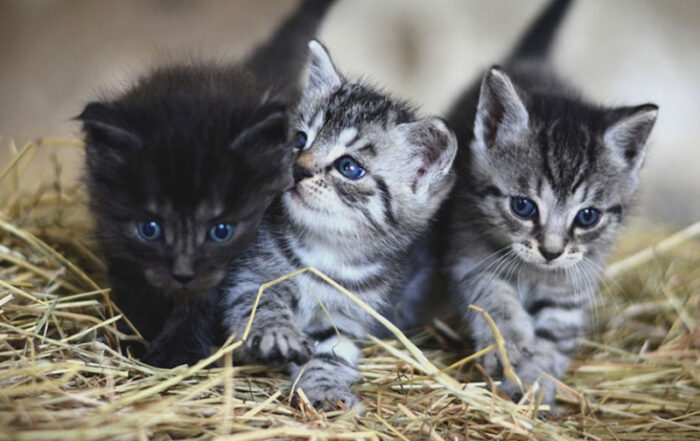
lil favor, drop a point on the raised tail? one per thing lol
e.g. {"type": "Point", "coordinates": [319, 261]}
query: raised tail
{"type": "Point", "coordinates": [536, 42]}
{"type": "Point", "coordinates": [281, 59]}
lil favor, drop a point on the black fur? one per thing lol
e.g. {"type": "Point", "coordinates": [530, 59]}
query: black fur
{"type": "Point", "coordinates": [191, 146]}
{"type": "Point", "coordinates": [286, 51]}
{"type": "Point", "coordinates": [537, 40]}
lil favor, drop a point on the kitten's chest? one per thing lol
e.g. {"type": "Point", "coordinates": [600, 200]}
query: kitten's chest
{"type": "Point", "coordinates": [350, 268]}
{"type": "Point", "coordinates": [321, 305]}
{"type": "Point", "coordinates": [534, 289]}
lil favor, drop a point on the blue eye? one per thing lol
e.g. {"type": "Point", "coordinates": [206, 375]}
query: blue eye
{"type": "Point", "coordinates": [149, 231]}
{"type": "Point", "coordinates": [349, 168]}
{"type": "Point", "coordinates": [523, 207]}
{"type": "Point", "coordinates": [300, 139]}
{"type": "Point", "coordinates": [587, 218]}
{"type": "Point", "coordinates": [222, 233]}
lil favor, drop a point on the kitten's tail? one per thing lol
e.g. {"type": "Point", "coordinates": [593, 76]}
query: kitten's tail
{"type": "Point", "coordinates": [536, 42]}
{"type": "Point", "coordinates": [281, 59]}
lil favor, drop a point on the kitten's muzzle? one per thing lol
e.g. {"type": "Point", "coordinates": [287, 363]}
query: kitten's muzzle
{"type": "Point", "coordinates": [300, 173]}
{"type": "Point", "coordinates": [183, 269]}
{"type": "Point", "coordinates": [183, 278]}
{"type": "Point", "coordinates": [550, 255]}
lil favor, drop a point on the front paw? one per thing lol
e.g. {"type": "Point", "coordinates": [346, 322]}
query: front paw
{"type": "Point", "coordinates": [278, 344]}
{"type": "Point", "coordinates": [545, 386]}
{"type": "Point", "coordinates": [169, 350]}
{"type": "Point", "coordinates": [518, 350]}
{"type": "Point", "coordinates": [327, 384]}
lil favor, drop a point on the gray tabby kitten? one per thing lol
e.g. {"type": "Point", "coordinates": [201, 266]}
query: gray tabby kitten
{"type": "Point", "coordinates": [369, 176]}
{"type": "Point", "coordinates": [545, 180]}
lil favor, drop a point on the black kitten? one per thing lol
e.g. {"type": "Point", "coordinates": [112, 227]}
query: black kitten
{"type": "Point", "coordinates": [180, 169]}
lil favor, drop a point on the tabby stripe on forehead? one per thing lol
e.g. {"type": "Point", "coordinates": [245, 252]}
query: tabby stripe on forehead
{"type": "Point", "coordinates": [369, 147]}
{"type": "Point", "coordinates": [585, 169]}
{"type": "Point", "coordinates": [386, 200]}
{"type": "Point", "coordinates": [489, 190]}
{"type": "Point", "coordinates": [354, 139]}
{"type": "Point", "coordinates": [544, 142]}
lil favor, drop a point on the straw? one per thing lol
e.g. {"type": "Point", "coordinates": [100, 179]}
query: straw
{"type": "Point", "coordinates": [62, 375]}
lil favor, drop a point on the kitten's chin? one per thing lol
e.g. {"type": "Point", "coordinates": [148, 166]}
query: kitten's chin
{"type": "Point", "coordinates": [296, 206]}
{"type": "Point", "coordinates": [554, 265]}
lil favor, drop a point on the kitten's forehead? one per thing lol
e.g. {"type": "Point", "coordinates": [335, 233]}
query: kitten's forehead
{"type": "Point", "coordinates": [563, 156]}
{"type": "Point", "coordinates": [205, 209]}
{"type": "Point", "coordinates": [351, 118]}
{"type": "Point", "coordinates": [201, 186]}
{"type": "Point", "coordinates": [354, 105]}
{"type": "Point", "coordinates": [567, 155]}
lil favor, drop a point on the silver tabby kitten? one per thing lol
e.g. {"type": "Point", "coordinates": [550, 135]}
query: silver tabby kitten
{"type": "Point", "coordinates": [545, 179]}
{"type": "Point", "coordinates": [368, 178]}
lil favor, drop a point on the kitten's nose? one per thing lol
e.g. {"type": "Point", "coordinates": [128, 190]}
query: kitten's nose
{"type": "Point", "coordinates": [183, 278]}
{"type": "Point", "coordinates": [300, 173]}
{"type": "Point", "coordinates": [182, 270]}
{"type": "Point", "coordinates": [550, 255]}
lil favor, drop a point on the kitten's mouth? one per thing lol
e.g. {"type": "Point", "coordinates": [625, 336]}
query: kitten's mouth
{"type": "Point", "coordinates": [296, 195]}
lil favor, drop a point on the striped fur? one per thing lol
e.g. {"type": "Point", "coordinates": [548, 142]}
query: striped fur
{"type": "Point", "coordinates": [525, 133]}
{"type": "Point", "coordinates": [357, 232]}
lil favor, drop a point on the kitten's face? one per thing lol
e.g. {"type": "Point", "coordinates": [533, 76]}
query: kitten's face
{"type": "Point", "coordinates": [555, 187]}
{"type": "Point", "coordinates": [180, 197]}
{"type": "Point", "coordinates": [364, 167]}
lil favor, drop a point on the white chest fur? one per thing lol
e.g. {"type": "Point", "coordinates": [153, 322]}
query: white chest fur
{"type": "Point", "coordinates": [320, 304]}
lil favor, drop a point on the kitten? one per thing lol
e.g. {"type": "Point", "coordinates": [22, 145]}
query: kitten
{"type": "Point", "coordinates": [369, 177]}
{"type": "Point", "coordinates": [545, 180]}
{"type": "Point", "coordinates": [180, 169]}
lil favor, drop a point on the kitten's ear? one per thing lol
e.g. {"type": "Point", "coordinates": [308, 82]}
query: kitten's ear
{"type": "Point", "coordinates": [323, 76]}
{"type": "Point", "coordinates": [627, 136]}
{"type": "Point", "coordinates": [435, 146]}
{"type": "Point", "coordinates": [501, 114]}
{"type": "Point", "coordinates": [104, 123]}
{"type": "Point", "coordinates": [266, 126]}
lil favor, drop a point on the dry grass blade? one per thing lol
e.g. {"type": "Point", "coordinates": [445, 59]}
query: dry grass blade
{"type": "Point", "coordinates": [62, 375]}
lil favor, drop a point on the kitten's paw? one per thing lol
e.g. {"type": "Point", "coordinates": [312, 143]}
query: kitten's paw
{"type": "Point", "coordinates": [167, 351]}
{"type": "Point", "coordinates": [278, 344]}
{"type": "Point", "coordinates": [327, 383]}
{"type": "Point", "coordinates": [517, 353]}
{"type": "Point", "coordinates": [529, 373]}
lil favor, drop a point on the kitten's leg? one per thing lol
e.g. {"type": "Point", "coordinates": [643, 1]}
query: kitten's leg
{"type": "Point", "coordinates": [501, 301]}
{"type": "Point", "coordinates": [328, 376]}
{"type": "Point", "coordinates": [557, 329]}
{"type": "Point", "coordinates": [536, 342]}
{"type": "Point", "coordinates": [274, 337]}
{"type": "Point", "coordinates": [188, 334]}
{"type": "Point", "coordinates": [146, 308]}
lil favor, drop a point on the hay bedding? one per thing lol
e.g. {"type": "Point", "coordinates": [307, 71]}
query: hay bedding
{"type": "Point", "coordinates": [637, 376]}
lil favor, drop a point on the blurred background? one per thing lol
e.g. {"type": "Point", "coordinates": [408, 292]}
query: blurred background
{"type": "Point", "coordinates": [56, 55]}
